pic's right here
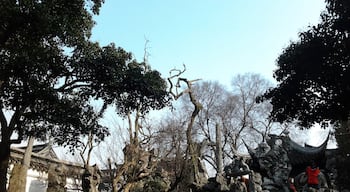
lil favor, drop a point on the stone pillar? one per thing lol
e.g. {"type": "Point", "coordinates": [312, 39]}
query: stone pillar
{"type": "Point", "coordinates": [219, 160]}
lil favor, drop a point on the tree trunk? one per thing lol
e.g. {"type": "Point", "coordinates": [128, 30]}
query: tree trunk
{"type": "Point", "coordinates": [5, 144]}
{"type": "Point", "coordinates": [190, 144]}
{"type": "Point", "coordinates": [4, 163]}
{"type": "Point", "coordinates": [18, 179]}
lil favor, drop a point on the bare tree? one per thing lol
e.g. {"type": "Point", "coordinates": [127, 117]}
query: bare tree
{"type": "Point", "coordinates": [193, 150]}
{"type": "Point", "coordinates": [170, 142]}
{"type": "Point", "coordinates": [91, 177]}
{"type": "Point", "coordinates": [251, 118]}
{"type": "Point", "coordinates": [237, 113]}
{"type": "Point", "coordinates": [109, 152]}
{"type": "Point", "coordinates": [219, 106]}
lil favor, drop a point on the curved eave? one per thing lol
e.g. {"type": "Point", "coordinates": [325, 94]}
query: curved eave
{"type": "Point", "coordinates": [299, 154]}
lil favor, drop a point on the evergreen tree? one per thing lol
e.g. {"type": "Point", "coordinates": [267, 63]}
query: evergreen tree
{"type": "Point", "coordinates": [50, 71]}
{"type": "Point", "coordinates": [313, 79]}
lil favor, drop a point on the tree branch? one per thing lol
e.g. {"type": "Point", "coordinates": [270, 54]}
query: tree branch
{"type": "Point", "coordinates": [3, 121]}
{"type": "Point", "coordinates": [16, 122]}
{"type": "Point", "coordinates": [73, 85]}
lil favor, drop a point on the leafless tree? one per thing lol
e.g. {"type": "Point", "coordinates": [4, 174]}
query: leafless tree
{"type": "Point", "coordinates": [252, 122]}
{"type": "Point", "coordinates": [236, 111]}
{"type": "Point", "coordinates": [170, 142]}
{"type": "Point", "coordinates": [179, 87]}
{"type": "Point", "coordinates": [170, 138]}
{"type": "Point", "coordinates": [251, 118]}
{"type": "Point", "coordinates": [91, 177]}
{"type": "Point", "coordinates": [109, 153]}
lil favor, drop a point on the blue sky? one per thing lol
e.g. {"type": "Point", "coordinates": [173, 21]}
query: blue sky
{"type": "Point", "coordinates": [215, 39]}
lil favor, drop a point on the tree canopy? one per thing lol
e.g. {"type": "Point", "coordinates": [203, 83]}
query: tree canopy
{"type": "Point", "coordinates": [50, 70]}
{"type": "Point", "coordinates": [313, 80]}
{"type": "Point", "coordinates": [313, 72]}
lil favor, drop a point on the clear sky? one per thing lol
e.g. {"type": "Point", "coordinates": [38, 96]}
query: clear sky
{"type": "Point", "coordinates": [216, 39]}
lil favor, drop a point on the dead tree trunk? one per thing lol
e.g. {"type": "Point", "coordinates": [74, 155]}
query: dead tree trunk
{"type": "Point", "coordinates": [138, 163]}
{"type": "Point", "coordinates": [191, 152]}
{"type": "Point", "coordinates": [190, 145]}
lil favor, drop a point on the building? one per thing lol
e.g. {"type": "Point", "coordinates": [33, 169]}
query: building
{"type": "Point", "coordinates": [43, 161]}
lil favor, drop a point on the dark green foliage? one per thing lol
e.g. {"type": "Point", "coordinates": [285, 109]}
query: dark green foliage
{"type": "Point", "coordinates": [314, 84]}
{"type": "Point", "coordinates": [39, 80]}
{"type": "Point", "coordinates": [313, 74]}
{"type": "Point", "coordinates": [340, 10]}
{"type": "Point", "coordinates": [34, 39]}
{"type": "Point", "coordinates": [50, 70]}
{"type": "Point", "coordinates": [69, 22]}
{"type": "Point", "coordinates": [343, 158]}
{"type": "Point", "coordinates": [144, 89]}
